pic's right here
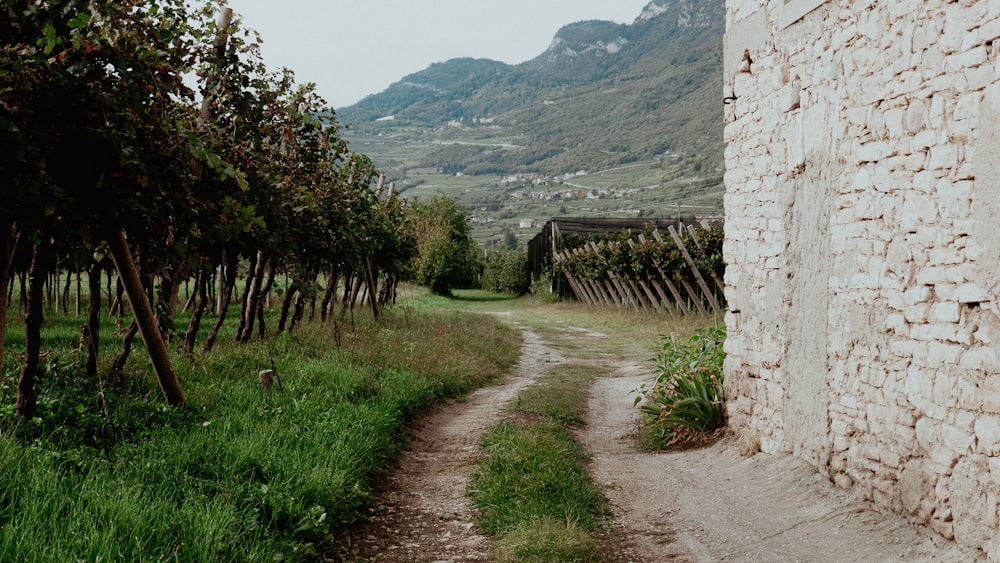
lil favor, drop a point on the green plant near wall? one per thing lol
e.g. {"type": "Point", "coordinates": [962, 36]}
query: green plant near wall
{"type": "Point", "coordinates": [687, 398]}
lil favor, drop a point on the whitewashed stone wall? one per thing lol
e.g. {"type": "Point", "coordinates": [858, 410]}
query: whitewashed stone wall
{"type": "Point", "coordinates": [863, 243]}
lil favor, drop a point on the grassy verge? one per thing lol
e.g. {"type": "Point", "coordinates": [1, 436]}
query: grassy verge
{"type": "Point", "coordinates": [532, 487]}
{"type": "Point", "coordinates": [107, 472]}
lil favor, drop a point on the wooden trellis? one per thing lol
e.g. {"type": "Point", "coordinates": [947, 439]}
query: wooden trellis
{"type": "Point", "coordinates": [671, 292]}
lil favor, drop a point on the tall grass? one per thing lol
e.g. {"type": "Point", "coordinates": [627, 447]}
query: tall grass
{"type": "Point", "coordinates": [244, 473]}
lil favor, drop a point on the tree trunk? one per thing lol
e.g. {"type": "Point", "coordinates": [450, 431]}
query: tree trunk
{"type": "Point", "coordinates": [297, 312]}
{"type": "Point", "coordinates": [266, 293]}
{"type": "Point", "coordinates": [223, 279]}
{"type": "Point", "coordinates": [94, 318]}
{"type": "Point", "coordinates": [7, 247]}
{"type": "Point", "coordinates": [119, 364]}
{"type": "Point", "coordinates": [111, 301]}
{"type": "Point", "coordinates": [227, 294]}
{"type": "Point", "coordinates": [286, 305]}
{"type": "Point", "coordinates": [372, 287]}
{"type": "Point", "coordinates": [76, 301]}
{"type": "Point", "coordinates": [331, 293]}
{"type": "Point", "coordinates": [253, 299]}
{"type": "Point", "coordinates": [65, 292]}
{"type": "Point", "coordinates": [53, 294]}
{"type": "Point", "coordinates": [22, 278]}
{"type": "Point", "coordinates": [355, 291]}
{"type": "Point", "coordinates": [247, 289]}
{"type": "Point", "coordinates": [167, 302]}
{"type": "Point", "coordinates": [26, 401]}
{"type": "Point", "coordinates": [201, 291]}
{"type": "Point", "coordinates": [148, 329]}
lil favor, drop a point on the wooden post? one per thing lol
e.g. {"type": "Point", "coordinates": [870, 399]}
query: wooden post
{"type": "Point", "coordinates": [694, 269]}
{"type": "Point", "coordinates": [628, 299]}
{"type": "Point", "coordinates": [678, 300]}
{"type": "Point", "coordinates": [148, 329]}
{"type": "Point", "coordinates": [649, 294]}
{"type": "Point", "coordinates": [597, 295]}
{"type": "Point", "coordinates": [573, 284]}
{"type": "Point", "coordinates": [672, 308]}
{"type": "Point", "coordinates": [616, 290]}
{"type": "Point", "coordinates": [584, 289]}
{"type": "Point", "coordinates": [694, 297]}
{"type": "Point", "coordinates": [223, 22]}
{"type": "Point", "coordinates": [555, 232]}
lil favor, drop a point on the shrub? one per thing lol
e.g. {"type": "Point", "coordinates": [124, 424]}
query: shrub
{"type": "Point", "coordinates": [687, 398]}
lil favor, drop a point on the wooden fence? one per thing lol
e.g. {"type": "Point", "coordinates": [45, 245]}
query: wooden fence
{"type": "Point", "coordinates": [684, 289]}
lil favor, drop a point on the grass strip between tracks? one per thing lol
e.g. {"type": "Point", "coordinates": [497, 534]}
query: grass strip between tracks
{"type": "Point", "coordinates": [531, 487]}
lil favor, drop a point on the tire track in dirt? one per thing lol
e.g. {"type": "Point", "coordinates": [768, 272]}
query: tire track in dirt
{"type": "Point", "coordinates": [424, 514]}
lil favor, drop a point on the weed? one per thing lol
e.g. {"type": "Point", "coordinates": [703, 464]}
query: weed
{"type": "Point", "coordinates": [687, 397]}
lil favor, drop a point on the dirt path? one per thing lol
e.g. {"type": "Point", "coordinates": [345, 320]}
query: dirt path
{"type": "Point", "coordinates": [702, 505]}
{"type": "Point", "coordinates": [425, 515]}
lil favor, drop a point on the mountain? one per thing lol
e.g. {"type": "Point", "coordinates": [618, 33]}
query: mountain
{"type": "Point", "coordinates": [603, 94]}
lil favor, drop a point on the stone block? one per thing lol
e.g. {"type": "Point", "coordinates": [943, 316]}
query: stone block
{"type": "Point", "coordinates": [927, 435]}
{"type": "Point", "coordinates": [958, 441]}
{"type": "Point", "coordinates": [918, 294]}
{"type": "Point", "coordinates": [948, 352]}
{"type": "Point", "coordinates": [948, 312]}
{"type": "Point", "coordinates": [917, 314]}
{"type": "Point", "coordinates": [988, 435]}
{"type": "Point", "coordinates": [934, 332]}
{"type": "Point", "coordinates": [971, 293]}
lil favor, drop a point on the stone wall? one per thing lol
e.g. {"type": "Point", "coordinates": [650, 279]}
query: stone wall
{"type": "Point", "coordinates": [863, 243]}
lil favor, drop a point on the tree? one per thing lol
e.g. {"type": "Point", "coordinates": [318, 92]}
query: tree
{"type": "Point", "coordinates": [446, 254]}
{"type": "Point", "coordinates": [99, 144]}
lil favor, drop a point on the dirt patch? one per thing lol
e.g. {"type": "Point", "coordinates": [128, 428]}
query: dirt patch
{"type": "Point", "coordinates": [707, 504]}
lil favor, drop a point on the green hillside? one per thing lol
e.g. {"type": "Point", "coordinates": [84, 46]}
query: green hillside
{"type": "Point", "coordinates": [644, 96]}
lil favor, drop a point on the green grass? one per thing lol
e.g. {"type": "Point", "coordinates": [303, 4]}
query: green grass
{"type": "Point", "coordinates": [561, 394]}
{"type": "Point", "coordinates": [242, 473]}
{"type": "Point", "coordinates": [531, 486]}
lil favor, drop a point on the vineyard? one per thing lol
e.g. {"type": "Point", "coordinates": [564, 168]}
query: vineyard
{"type": "Point", "coordinates": [633, 264]}
{"type": "Point", "coordinates": [111, 165]}
{"type": "Point", "coordinates": [161, 183]}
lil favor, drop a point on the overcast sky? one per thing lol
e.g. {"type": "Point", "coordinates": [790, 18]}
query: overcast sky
{"type": "Point", "coordinates": [352, 48]}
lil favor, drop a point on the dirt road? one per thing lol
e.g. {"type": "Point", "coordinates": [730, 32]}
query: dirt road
{"type": "Point", "coordinates": [701, 505]}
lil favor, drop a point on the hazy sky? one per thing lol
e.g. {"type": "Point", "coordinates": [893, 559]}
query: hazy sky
{"type": "Point", "coordinates": [352, 48]}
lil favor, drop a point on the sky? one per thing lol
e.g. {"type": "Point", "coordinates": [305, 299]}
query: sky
{"type": "Point", "coordinates": [353, 48]}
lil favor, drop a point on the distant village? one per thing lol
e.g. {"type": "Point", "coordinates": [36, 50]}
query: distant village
{"type": "Point", "coordinates": [528, 186]}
